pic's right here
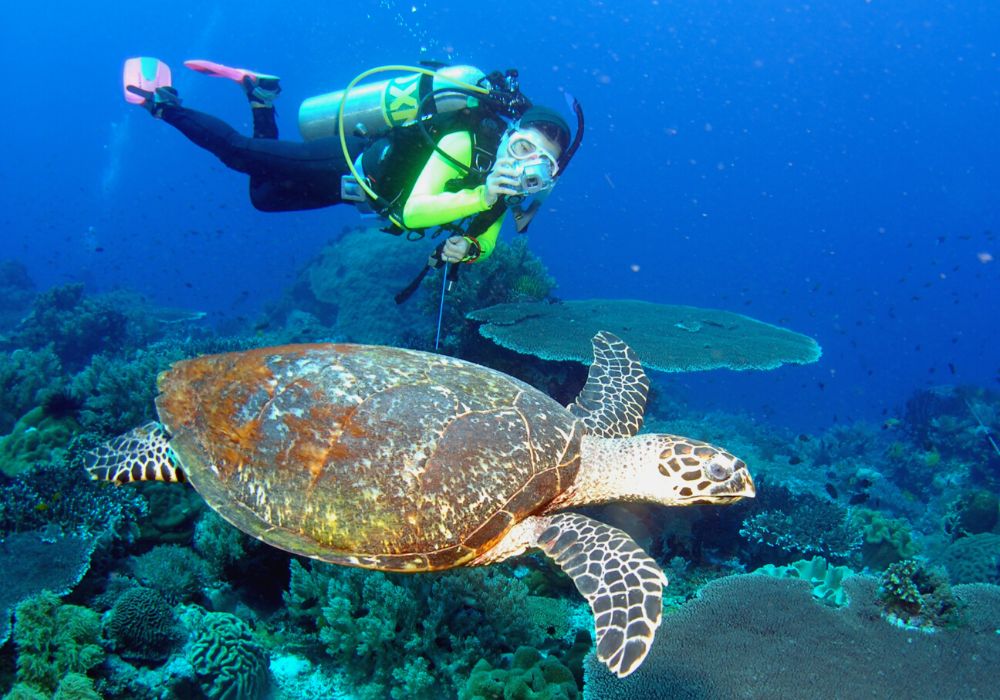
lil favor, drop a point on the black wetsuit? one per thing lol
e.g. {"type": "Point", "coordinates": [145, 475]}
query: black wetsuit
{"type": "Point", "coordinates": [284, 175]}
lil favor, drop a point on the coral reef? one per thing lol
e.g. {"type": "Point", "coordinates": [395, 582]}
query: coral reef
{"type": "Point", "coordinates": [348, 290]}
{"type": "Point", "coordinates": [754, 636]}
{"type": "Point", "coordinates": [16, 293]}
{"type": "Point", "coordinates": [512, 274]}
{"type": "Point", "coordinates": [972, 513]}
{"type": "Point", "coordinates": [58, 495]}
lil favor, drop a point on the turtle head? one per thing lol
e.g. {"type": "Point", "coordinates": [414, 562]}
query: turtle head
{"type": "Point", "coordinates": [657, 468]}
{"type": "Point", "coordinates": [691, 472]}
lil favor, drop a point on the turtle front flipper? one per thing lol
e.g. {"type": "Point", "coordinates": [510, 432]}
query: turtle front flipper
{"type": "Point", "coordinates": [141, 454]}
{"type": "Point", "coordinates": [613, 400]}
{"type": "Point", "coordinates": [622, 583]}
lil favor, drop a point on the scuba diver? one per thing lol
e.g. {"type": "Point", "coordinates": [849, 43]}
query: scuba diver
{"type": "Point", "coordinates": [443, 147]}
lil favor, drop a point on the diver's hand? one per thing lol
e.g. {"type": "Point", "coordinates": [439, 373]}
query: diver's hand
{"type": "Point", "coordinates": [455, 248]}
{"type": "Point", "coordinates": [501, 181]}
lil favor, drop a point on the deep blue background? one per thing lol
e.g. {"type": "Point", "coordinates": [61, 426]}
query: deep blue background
{"type": "Point", "coordinates": [831, 166]}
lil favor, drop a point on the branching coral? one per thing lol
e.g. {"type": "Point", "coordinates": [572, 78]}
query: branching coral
{"type": "Point", "coordinates": [79, 326]}
{"type": "Point", "coordinates": [374, 624]}
{"type": "Point", "coordinates": [56, 494]}
{"type": "Point", "coordinates": [25, 377]}
{"type": "Point", "coordinates": [176, 572]}
{"type": "Point", "coordinates": [790, 526]}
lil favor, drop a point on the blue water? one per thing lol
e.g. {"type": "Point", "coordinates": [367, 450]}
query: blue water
{"type": "Point", "coordinates": [827, 166]}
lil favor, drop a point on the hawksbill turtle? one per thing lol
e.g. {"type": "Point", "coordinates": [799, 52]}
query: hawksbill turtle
{"type": "Point", "coordinates": [408, 461]}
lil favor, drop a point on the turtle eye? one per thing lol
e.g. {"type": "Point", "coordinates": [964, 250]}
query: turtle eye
{"type": "Point", "coordinates": [717, 471]}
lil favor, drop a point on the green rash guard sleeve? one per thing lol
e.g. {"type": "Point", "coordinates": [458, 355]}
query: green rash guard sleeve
{"type": "Point", "coordinates": [429, 204]}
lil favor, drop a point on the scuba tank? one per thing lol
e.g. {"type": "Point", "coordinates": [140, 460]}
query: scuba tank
{"type": "Point", "coordinates": [372, 109]}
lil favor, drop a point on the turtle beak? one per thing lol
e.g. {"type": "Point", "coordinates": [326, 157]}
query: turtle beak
{"type": "Point", "coordinates": [740, 485]}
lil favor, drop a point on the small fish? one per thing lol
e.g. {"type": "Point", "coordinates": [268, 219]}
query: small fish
{"type": "Point", "coordinates": [857, 499]}
{"type": "Point", "coordinates": [795, 459]}
{"type": "Point", "coordinates": [805, 438]}
{"type": "Point", "coordinates": [830, 489]}
{"type": "Point", "coordinates": [864, 483]}
{"type": "Point", "coordinates": [951, 368]}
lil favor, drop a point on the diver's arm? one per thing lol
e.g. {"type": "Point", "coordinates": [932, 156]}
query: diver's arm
{"type": "Point", "coordinates": [487, 240]}
{"type": "Point", "coordinates": [428, 203]}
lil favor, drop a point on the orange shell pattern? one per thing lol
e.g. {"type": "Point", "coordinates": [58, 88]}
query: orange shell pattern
{"type": "Point", "coordinates": [368, 456]}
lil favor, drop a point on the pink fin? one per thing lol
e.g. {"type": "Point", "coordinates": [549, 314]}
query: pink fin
{"type": "Point", "coordinates": [217, 70]}
{"type": "Point", "coordinates": [146, 74]}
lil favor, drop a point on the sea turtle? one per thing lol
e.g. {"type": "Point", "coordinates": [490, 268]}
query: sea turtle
{"type": "Point", "coordinates": [408, 461]}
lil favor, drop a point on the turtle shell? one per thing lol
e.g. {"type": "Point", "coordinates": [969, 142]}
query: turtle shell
{"type": "Point", "coordinates": [369, 456]}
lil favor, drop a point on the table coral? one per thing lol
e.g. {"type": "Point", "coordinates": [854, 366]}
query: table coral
{"type": "Point", "coordinates": [666, 338]}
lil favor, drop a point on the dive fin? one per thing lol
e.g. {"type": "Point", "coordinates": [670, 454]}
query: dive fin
{"type": "Point", "coordinates": [217, 70]}
{"type": "Point", "coordinates": [141, 76]}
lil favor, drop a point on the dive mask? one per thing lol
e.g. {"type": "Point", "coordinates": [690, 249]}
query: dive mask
{"type": "Point", "coordinates": [535, 167]}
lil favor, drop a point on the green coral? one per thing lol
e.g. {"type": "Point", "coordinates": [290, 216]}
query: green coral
{"type": "Point", "coordinates": [913, 596]}
{"type": "Point", "coordinates": [229, 662]}
{"type": "Point", "coordinates": [53, 641]}
{"type": "Point", "coordinates": [378, 625]}
{"type": "Point", "coordinates": [826, 580]}
{"type": "Point", "coordinates": [36, 438]}
{"type": "Point", "coordinates": [530, 676]}
{"type": "Point", "coordinates": [219, 543]}
{"type": "Point", "coordinates": [886, 540]}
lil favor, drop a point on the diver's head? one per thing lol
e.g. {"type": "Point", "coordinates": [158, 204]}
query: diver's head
{"type": "Point", "coordinates": [549, 124]}
{"type": "Point", "coordinates": [535, 142]}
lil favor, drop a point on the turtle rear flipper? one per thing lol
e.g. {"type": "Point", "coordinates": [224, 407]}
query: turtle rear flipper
{"type": "Point", "coordinates": [141, 454]}
{"type": "Point", "coordinates": [613, 400]}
